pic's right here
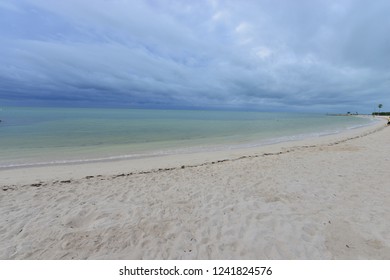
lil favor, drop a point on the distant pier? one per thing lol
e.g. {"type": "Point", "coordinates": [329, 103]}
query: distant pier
{"type": "Point", "coordinates": [342, 115]}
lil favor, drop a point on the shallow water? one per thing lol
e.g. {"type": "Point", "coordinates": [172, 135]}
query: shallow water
{"type": "Point", "coordinates": [35, 136]}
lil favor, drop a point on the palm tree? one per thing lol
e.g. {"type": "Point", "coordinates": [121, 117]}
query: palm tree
{"type": "Point", "coordinates": [380, 107]}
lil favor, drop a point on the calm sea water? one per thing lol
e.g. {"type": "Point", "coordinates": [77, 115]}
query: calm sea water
{"type": "Point", "coordinates": [36, 136]}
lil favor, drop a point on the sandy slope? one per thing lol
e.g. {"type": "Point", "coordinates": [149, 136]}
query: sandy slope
{"type": "Point", "coordinates": [327, 199]}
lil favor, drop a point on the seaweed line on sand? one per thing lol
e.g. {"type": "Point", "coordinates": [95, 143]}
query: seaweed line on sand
{"type": "Point", "coordinates": [110, 177]}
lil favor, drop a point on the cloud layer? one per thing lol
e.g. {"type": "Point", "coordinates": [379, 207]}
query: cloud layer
{"type": "Point", "coordinates": [266, 55]}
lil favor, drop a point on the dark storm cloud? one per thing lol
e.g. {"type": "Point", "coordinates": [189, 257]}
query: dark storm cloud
{"type": "Point", "coordinates": [285, 55]}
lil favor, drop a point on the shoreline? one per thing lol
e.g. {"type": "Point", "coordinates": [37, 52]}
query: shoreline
{"type": "Point", "coordinates": [327, 198]}
{"type": "Point", "coordinates": [185, 150]}
{"type": "Point", "coordinates": [114, 166]}
{"type": "Point", "coordinates": [47, 154]}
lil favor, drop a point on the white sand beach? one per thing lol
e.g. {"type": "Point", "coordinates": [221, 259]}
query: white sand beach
{"type": "Point", "coordinates": [321, 198]}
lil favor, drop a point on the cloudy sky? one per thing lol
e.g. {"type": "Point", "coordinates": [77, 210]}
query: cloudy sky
{"type": "Point", "coordinates": [301, 55]}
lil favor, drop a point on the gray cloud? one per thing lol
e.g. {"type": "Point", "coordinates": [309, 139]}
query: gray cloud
{"type": "Point", "coordinates": [266, 55]}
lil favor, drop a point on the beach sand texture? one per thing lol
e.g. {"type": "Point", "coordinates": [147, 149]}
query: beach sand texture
{"type": "Point", "coordinates": [325, 200]}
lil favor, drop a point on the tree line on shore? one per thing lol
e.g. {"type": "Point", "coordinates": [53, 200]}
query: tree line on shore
{"type": "Point", "coordinates": [381, 113]}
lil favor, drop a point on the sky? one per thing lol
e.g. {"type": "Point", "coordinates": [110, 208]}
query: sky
{"type": "Point", "coordinates": [267, 55]}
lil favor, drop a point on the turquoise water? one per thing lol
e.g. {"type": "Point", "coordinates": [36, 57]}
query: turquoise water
{"type": "Point", "coordinates": [36, 136]}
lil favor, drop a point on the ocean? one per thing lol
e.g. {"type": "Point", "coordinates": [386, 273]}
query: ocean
{"type": "Point", "coordinates": [47, 136]}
